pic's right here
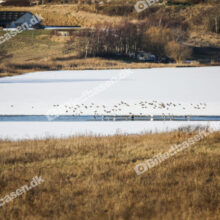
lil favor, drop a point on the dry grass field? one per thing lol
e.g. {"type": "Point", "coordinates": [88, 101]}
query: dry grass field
{"type": "Point", "coordinates": [93, 178]}
{"type": "Point", "coordinates": [41, 52]}
{"type": "Point", "coordinates": [66, 15]}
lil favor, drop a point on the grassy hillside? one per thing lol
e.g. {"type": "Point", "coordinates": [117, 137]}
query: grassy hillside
{"type": "Point", "coordinates": [93, 178]}
{"type": "Point", "coordinates": [42, 51]}
{"type": "Point", "coordinates": [69, 15]}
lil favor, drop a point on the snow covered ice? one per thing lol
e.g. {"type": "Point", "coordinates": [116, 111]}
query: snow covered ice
{"type": "Point", "coordinates": [158, 91]}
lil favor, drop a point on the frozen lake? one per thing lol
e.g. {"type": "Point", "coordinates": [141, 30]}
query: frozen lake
{"type": "Point", "coordinates": [103, 102]}
{"type": "Point", "coordinates": [159, 91]}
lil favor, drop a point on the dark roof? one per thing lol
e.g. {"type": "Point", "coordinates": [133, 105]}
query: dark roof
{"type": "Point", "coordinates": [6, 17]}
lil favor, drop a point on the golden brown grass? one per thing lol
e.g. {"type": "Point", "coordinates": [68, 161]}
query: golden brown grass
{"type": "Point", "coordinates": [40, 52]}
{"type": "Point", "coordinates": [93, 178]}
{"type": "Point", "coordinates": [66, 15]}
{"type": "Point", "coordinates": [14, 68]}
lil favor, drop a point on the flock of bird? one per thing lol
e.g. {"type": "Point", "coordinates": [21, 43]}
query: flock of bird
{"type": "Point", "coordinates": [141, 108]}
{"type": "Point", "coordinates": [123, 108]}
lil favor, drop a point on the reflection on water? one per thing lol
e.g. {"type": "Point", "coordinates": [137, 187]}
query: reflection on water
{"type": "Point", "coordinates": [43, 118]}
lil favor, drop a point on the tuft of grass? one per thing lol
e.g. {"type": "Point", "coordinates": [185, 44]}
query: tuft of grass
{"type": "Point", "coordinates": [93, 178]}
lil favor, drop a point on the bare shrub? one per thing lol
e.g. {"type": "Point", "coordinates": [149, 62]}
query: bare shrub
{"type": "Point", "coordinates": [123, 39]}
{"type": "Point", "coordinates": [108, 40]}
{"type": "Point", "coordinates": [157, 39]}
{"type": "Point", "coordinates": [178, 51]}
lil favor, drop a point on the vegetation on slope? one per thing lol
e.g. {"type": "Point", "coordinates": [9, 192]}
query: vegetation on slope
{"type": "Point", "coordinates": [175, 31]}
